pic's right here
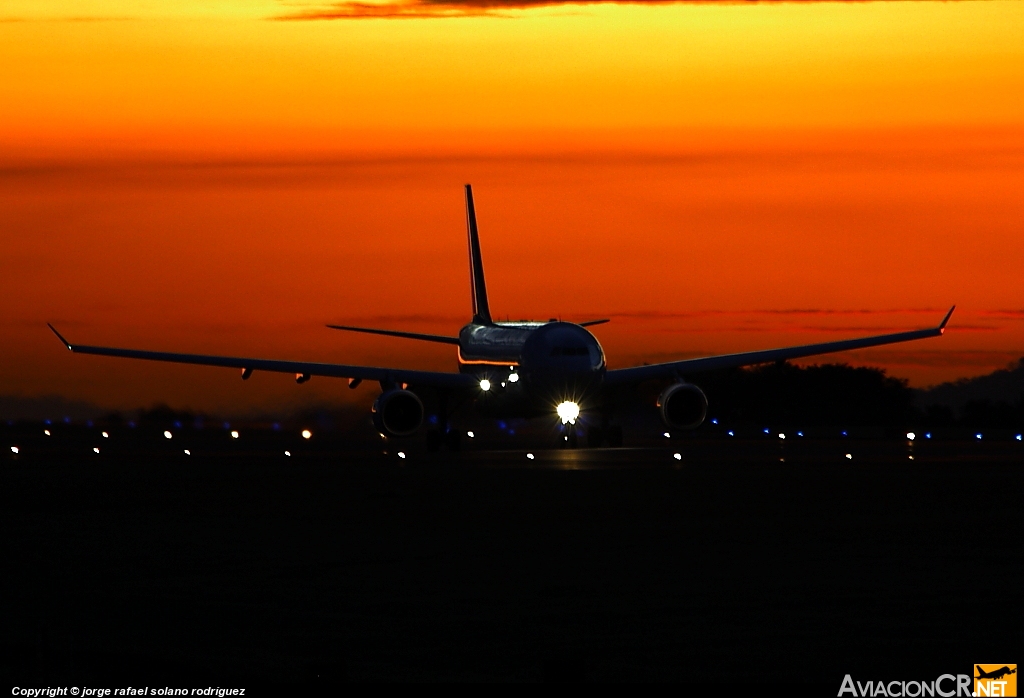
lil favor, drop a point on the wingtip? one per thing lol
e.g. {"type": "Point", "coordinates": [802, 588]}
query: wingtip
{"type": "Point", "coordinates": [942, 325]}
{"type": "Point", "coordinates": [61, 338]}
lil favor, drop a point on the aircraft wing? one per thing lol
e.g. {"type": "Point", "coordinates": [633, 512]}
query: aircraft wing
{"type": "Point", "coordinates": [385, 375]}
{"type": "Point", "coordinates": [673, 369]}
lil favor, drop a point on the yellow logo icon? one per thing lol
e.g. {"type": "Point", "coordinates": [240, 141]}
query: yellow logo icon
{"type": "Point", "coordinates": [995, 680]}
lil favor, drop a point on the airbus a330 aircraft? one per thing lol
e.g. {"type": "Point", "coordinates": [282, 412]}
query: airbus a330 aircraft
{"type": "Point", "coordinates": [517, 369]}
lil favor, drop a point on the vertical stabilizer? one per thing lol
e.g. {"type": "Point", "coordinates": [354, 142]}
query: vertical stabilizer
{"type": "Point", "coordinates": [481, 311]}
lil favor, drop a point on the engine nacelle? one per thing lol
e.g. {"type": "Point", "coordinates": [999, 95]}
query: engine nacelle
{"type": "Point", "coordinates": [683, 406]}
{"type": "Point", "coordinates": [397, 413]}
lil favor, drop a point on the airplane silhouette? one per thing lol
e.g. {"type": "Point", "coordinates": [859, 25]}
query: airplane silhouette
{"type": "Point", "coordinates": [517, 369]}
{"type": "Point", "coordinates": [994, 674]}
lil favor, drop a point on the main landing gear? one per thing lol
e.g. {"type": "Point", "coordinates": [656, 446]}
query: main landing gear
{"type": "Point", "coordinates": [451, 440]}
{"type": "Point", "coordinates": [610, 436]}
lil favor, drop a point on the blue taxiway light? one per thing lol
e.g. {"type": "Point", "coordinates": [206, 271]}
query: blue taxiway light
{"type": "Point", "coordinates": [766, 431]}
{"type": "Point", "coordinates": [1018, 436]}
{"type": "Point", "coordinates": [714, 421]}
{"type": "Point", "coordinates": [977, 436]}
{"type": "Point", "coordinates": [731, 433]}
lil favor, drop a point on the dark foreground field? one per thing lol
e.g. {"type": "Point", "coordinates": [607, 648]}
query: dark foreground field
{"type": "Point", "coordinates": [723, 566]}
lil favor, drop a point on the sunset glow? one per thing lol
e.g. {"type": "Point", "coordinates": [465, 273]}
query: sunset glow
{"type": "Point", "coordinates": [228, 177]}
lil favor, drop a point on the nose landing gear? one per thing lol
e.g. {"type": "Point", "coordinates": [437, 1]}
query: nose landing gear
{"type": "Point", "coordinates": [570, 438]}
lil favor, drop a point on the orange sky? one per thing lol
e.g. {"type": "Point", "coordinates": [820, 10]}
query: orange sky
{"type": "Point", "coordinates": [214, 179]}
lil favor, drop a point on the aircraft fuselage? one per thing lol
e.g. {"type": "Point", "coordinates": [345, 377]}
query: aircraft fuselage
{"type": "Point", "coordinates": [531, 366]}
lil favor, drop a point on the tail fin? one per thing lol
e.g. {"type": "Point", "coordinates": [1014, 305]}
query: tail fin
{"type": "Point", "coordinates": [481, 311]}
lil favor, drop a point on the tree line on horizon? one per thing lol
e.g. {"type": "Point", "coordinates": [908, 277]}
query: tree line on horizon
{"type": "Point", "coordinates": [778, 393]}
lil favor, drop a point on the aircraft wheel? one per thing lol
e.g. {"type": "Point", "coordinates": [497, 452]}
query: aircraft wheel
{"type": "Point", "coordinates": [614, 436]}
{"type": "Point", "coordinates": [433, 440]}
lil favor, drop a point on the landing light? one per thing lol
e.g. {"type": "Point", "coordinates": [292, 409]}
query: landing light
{"type": "Point", "coordinates": [568, 412]}
{"type": "Point", "coordinates": [485, 385]}
{"type": "Point", "coordinates": [307, 434]}
{"type": "Point", "coordinates": [513, 378]}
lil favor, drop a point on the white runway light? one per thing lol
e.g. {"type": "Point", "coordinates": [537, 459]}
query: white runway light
{"type": "Point", "coordinates": [46, 431]}
{"type": "Point", "coordinates": [849, 456]}
{"type": "Point", "coordinates": [470, 434]}
{"type": "Point", "coordinates": [677, 456]}
{"type": "Point", "coordinates": [14, 450]}
{"type": "Point", "coordinates": [95, 450]}
{"type": "Point", "coordinates": [105, 435]}
{"type": "Point", "coordinates": [911, 436]}
{"type": "Point", "coordinates": [288, 453]}
{"type": "Point", "coordinates": [307, 434]}
{"type": "Point", "coordinates": [530, 456]}
{"type": "Point", "coordinates": [401, 454]}
{"type": "Point", "coordinates": [188, 452]}
{"type": "Point", "coordinates": [513, 378]}
{"type": "Point", "coordinates": [167, 434]}
{"type": "Point", "coordinates": [568, 412]}
{"type": "Point", "coordinates": [485, 385]}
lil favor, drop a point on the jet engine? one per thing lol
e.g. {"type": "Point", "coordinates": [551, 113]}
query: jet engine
{"type": "Point", "coordinates": [397, 413]}
{"type": "Point", "coordinates": [683, 406]}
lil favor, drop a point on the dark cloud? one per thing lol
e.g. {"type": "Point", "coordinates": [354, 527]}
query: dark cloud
{"type": "Point", "coordinates": [408, 9]}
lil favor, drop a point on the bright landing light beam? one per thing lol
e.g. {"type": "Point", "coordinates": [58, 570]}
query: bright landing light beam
{"type": "Point", "coordinates": [568, 412]}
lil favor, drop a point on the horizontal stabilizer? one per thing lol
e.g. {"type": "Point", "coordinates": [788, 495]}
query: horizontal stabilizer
{"type": "Point", "coordinates": [397, 333]}
{"type": "Point", "coordinates": [590, 323]}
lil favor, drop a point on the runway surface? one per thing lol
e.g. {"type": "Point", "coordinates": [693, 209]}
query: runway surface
{"type": "Point", "coordinates": [726, 565]}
